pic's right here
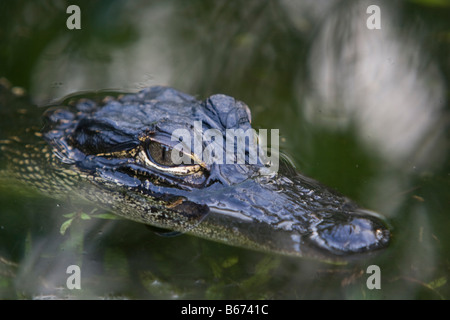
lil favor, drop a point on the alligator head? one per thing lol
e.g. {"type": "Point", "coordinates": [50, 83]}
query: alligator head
{"type": "Point", "coordinates": [140, 153]}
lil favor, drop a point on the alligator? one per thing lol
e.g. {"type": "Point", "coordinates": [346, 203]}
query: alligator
{"type": "Point", "coordinates": [114, 149]}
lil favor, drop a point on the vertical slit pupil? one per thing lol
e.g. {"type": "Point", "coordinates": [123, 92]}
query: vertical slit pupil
{"type": "Point", "coordinates": [165, 154]}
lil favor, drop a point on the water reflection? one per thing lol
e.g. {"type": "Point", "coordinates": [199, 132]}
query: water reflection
{"type": "Point", "coordinates": [380, 81]}
{"type": "Point", "coordinates": [384, 85]}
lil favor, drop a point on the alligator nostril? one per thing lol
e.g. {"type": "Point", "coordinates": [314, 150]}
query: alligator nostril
{"type": "Point", "coordinates": [382, 235]}
{"type": "Point", "coordinates": [379, 234]}
{"type": "Point", "coordinates": [353, 233]}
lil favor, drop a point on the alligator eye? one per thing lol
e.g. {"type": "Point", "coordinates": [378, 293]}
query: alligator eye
{"type": "Point", "coordinates": [159, 156]}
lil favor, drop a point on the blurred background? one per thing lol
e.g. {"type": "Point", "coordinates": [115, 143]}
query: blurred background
{"type": "Point", "coordinates": [364, 111]}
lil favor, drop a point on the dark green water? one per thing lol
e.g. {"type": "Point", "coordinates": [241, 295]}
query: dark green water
{"type": "Point", "coordinates": [363, 111]}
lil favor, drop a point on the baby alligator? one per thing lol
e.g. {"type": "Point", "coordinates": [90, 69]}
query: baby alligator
{"type": "Point", "coordinates": [115, 150]}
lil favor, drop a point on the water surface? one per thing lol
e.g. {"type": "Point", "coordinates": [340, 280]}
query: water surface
{"type": "Point", "coordinates": [363, 111]}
